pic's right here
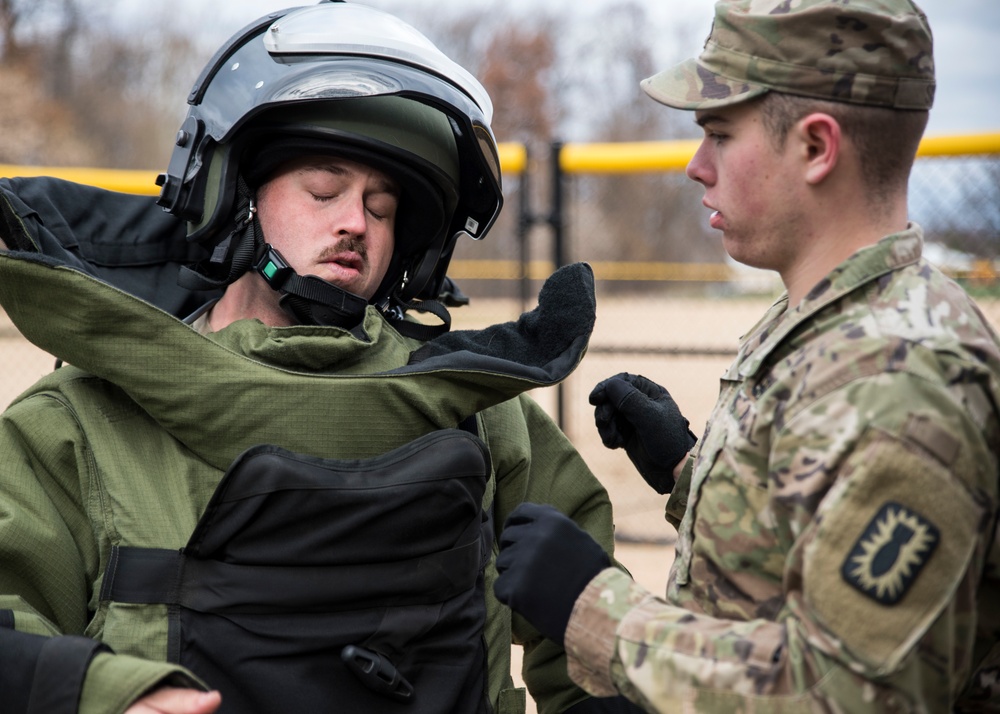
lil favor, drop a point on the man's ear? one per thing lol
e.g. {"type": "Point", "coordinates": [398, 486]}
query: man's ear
{"type": "Point", "coordinates": [819, 137]}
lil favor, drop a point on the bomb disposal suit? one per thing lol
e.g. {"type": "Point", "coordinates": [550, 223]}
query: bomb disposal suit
{"type": "Point", "coordinates": [300, 517]}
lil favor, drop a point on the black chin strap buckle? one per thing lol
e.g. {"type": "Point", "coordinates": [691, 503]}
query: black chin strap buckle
{"type": "Point", "coordinates": [309, 299]}
{"type": "Point", "coordinates": [273, 267]}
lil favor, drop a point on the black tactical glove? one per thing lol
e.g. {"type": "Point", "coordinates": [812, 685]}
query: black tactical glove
{"type": "Point", "coordinates": [545, 562]}
{"type": "Point", "coordinates": [639, 415]}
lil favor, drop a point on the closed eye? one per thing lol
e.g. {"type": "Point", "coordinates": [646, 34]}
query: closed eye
{"type": "Point", "coordinates": [381, 205]}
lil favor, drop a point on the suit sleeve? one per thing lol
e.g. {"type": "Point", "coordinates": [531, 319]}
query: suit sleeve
{"type": "Point", "coordinates": [50, 564]}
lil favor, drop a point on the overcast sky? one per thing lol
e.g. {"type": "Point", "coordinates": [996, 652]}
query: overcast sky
{"type": "Point", "coordinates": [966, 38]}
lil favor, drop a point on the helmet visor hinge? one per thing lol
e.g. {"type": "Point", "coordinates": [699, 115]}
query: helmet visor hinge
{"type": "Point", "coordinates": [251, 212]}
{"type": "Point", "coordinates": [221, 250]}
{"type": "Point", "coordinates": [175, 188]}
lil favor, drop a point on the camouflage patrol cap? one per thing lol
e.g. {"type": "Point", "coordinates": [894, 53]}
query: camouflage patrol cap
{"type": "Point", "coordinates": [872, 52]}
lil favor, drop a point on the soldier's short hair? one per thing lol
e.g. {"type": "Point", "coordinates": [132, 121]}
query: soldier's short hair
{"type": "Point", "coordinates": [886, 139]}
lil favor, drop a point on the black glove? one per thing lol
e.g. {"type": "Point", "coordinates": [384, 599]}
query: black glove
{"type": "Point", "coordinates": [545, 562]}
{"type": "Point", "coordinates": [640, 415]}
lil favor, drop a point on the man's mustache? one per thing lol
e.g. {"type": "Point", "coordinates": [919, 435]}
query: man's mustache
{"type": "Point", "coordinates": [346, 245]}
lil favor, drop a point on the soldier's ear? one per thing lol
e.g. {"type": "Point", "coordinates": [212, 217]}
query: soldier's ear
{"type": "Point", "coordinates": [819, 142]}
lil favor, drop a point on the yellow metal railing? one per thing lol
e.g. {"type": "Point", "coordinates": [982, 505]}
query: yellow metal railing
{"type": "Point", "coordinates": [627, 157]}
{"type": "Point", "coordinates": [960, 145]}
{"type": "Point", "coordinates": [513, 157]}
{"type": "Point", "coordinates": [638, 156]}
{"type": "Point", "coordinates": [617, 157]}
{"type": "Point", "coordinates": [124, 180]}
{"type": "Point", "coordinates": [603, 270]}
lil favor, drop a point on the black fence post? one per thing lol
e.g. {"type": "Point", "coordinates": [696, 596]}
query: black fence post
{"type": "Point", "coordinates": [558, 249]}
{"type": "Point", "coordinates": [525, 220]}
{"type": "Point", "coordinates": [556, 213]}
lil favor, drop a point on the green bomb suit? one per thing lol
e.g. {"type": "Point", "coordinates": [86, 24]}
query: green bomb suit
{"type": "Point", "coordinates": [126, 444]}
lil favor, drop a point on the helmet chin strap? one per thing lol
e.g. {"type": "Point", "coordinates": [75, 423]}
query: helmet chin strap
{"type": "Point", "coordinates": [314, 301]}
{"type": "Point", "coordinates": [309, 299]}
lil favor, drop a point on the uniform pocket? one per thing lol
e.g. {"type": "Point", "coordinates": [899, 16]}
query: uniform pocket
{"type": "Point", "coordinates": [512, 701]}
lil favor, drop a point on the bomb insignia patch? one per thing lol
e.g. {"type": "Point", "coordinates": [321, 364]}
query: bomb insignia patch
{"type": "Point", "coordinates": [893, 549]}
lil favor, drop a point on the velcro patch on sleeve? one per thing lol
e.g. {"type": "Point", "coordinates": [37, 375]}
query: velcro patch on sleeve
{"type": "Point", "coordinates": [895, 537]}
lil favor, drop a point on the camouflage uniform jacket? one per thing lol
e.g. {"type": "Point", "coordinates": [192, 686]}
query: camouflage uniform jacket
{"type": "Point", "coordinates": [838, 548]}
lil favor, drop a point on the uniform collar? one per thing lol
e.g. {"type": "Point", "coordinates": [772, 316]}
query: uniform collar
{"type": "Point", "coordinates": [863, 267]}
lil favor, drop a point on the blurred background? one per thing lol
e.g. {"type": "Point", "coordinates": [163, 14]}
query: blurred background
{"type": "Point", "coordinates": [102, 84]}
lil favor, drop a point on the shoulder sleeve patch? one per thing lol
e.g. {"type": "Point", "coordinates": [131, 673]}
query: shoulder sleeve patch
{"type": "Point", "coordinates": [890, 553]}
{"type": "Point", "coordinates": [892, 542]}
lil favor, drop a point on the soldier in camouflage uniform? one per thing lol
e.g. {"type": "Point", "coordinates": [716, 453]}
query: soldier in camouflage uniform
{"type": "Point", "coordinates": [837, 523]}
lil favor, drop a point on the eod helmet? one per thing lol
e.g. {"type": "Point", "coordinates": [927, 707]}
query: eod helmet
{"type": "Point", "coordinates": [345, 80]}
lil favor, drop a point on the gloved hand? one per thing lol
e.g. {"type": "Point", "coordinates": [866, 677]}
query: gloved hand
{"type": "Point", "coordinates": [640, 415]}
{"type": "Point", "coordinates": [545, 562]}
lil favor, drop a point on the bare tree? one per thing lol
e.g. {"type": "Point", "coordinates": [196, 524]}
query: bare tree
{"type": "Point", "coordinates": [634, 217]}
{"type": "Point", "coordinates": [516, 64]}
{"type": "Point", "coordinates": [16, 18]}
{"type": "Point", "coordinates": [112, 95]}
